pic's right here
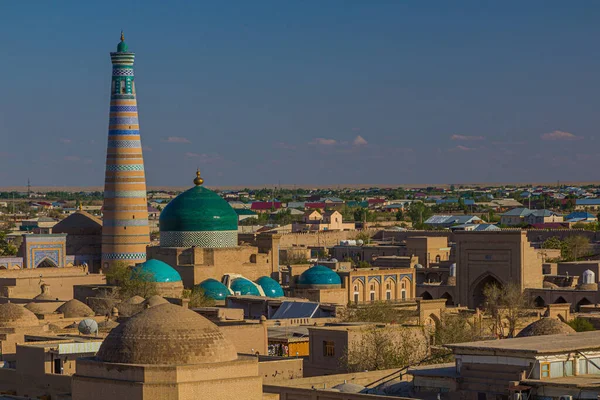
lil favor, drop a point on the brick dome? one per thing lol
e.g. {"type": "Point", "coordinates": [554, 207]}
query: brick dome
{"type": "Point", "coordinates": [546, 326]}
{"type": "Point", "coordinates": [75, 309]}
{"type": "Point", "coordinates": [166, 334]}
{"type": "Point", "coordinates": [14, 316]}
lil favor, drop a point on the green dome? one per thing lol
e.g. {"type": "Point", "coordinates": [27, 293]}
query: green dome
{"type": "Point", "coordinates": [122, 46]}
{"type": "Point", "coordinates": [244, 287]}
{"type": "Point", "coordinates": [214, 289]}
{"type": "Point", "coordinates": [319, 276]}
{"type": "Point", "coordinates": [270, 286]}
{"type": "Point", "coordinates": [158, 271]}
{"type": "Point", "coordinates": [198, 209]}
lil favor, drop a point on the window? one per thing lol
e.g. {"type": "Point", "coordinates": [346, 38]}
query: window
{"type": "Point", "coordinates": [372, 287]}
{"type": "Point", "coordinates": [403, 294]}
{"type": "Point", "coordinates": [569, 368]}
{"type": "Point", "coordinates": [437, 259]}
{"type": "Point", "coordinates": [388, 286]}
{"type": "Point", "coordinates": [57, 366]}
{"type": "Point", "coordinates": [403, 285]}
{"type": "Point", "coordinates": [328, 348]}
{"type": "Point", "coordinates": [372, 296]}
{"type": "Point", "coordinates": [356, 288]}
{"type": "Point", "coordinates": [388, 295]}
{"type": "Point", "coordinates": [356, 297]}
{"type": "Point", "coordinates": [545, 370]}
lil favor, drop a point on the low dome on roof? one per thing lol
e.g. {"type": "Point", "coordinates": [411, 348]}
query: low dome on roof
{"type": "Point", "coordinates": [349, 387]}
{"type": "Point", "coordinates": [75, 309]}
{"type": "Point", "coordinates": [214, 289]}
{"type": "Point", "coordinates": [155, 300]}
{"type": "Point", "coordinates": [134, 300]}
{"type": "Point", "coordinates": [418, 266]}
{"type": "Point", "coordinates": [244, 286]}
{"type": "Point", "coordinates": [42, 308]}
{"type": "Point", "coordinates": [549, 285]}
{"type": "Point", "coordinates": [546, 326]}
{"type": "Point", "coordinates": [319, 276]}
{"type": "Point", "coordinates": [158, 271]}
{"type": "Point", "coordinates": [270, 286]}
{"type": "Point", "coordinates": [166, 334]}
{"type": "Point", "coordinates": [14, 316]}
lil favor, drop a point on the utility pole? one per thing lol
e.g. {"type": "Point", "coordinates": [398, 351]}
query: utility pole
{"type": "Point", "coordinates": [28, 188]}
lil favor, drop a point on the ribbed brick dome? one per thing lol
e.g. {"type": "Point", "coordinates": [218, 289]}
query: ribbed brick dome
{"type": "Point", "coordinates": [14, 316]}
{"type": "Point", "coordinates": [166, 335]}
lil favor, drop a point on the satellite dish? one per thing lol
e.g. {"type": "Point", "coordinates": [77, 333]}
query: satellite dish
{"type": "Point", "coordinates": [88, 326]}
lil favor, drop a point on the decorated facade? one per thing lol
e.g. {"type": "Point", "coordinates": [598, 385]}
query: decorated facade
{"type": "Point", "coordinates": [125, 232]}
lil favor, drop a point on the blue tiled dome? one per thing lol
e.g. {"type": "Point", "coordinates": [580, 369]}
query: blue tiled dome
{"type": "Point", "coordinates": [319, 276]}
{"type": "Point", "coordinates": [159, 271]}
{"type": "Point", "coordinates": [244, 286]}
{"type": "Point", "coordinates": [270, 286]}
{"type": "Point", "coordinates": [214, 289]}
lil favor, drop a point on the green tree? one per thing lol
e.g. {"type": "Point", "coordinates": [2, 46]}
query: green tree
{"type": "Point", "coordinates": [553, 242]}
{"type": "Point", "coordinates": [419, 213]}
{"type": "Point", "coordinates": [575, 247]}
{"type": "Point", "coordinates": [581, 325]}
{"type": "Point", "coordinates": [455, 328]}
{"type": "Point", "coordinates": [131, 281]}
{"type": "Point", "coordinates": [507, 303]}
{"type": "Point", "coordinates": [378, 311]}
{"type": "Point", "coordinates": [6, 249]}
{"type": "Point", "coordinates": [197, 298]}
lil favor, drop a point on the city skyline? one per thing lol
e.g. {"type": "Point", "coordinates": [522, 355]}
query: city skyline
{"type": "Point", "coordinates": [345, 93]}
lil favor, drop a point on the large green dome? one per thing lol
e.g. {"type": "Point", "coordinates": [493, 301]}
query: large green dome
{"type": "Point", "coordinates": [198, 217]}
{"type": "Point", "coordinates": [122, 46]}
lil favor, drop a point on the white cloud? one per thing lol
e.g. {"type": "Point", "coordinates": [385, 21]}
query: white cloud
{"type": "Point", "coordinates": [323, 141]}
{"type": "Point", "coordinates": [559, 135]}
{"type": "Point", "coordinates": [464, 137]}
{"type": "Point", "coordinates": [359, 141]}
{"type": "Point", "coordinates": [461, 148]}
{"type": "Point", "coordinates": [203, 158]}
{"type": "Point", "coordinates": [176, 139]}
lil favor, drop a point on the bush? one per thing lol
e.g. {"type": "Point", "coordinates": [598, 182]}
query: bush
{"type": "Point", "coordinates": [581, 325]}
{"type": "Point", "coordinates": [197, 298]}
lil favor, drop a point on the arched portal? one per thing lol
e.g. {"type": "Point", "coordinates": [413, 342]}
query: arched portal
{"type": "Point", "coordinates": [560, 300]}
{"type": "Point", "coordinates": [583, 302]}
{"type": "Point", "coordinates": [426, 296]}
{"type": "Point", "coordinates": [47, 263]}
{"type": "Point", "coordinates": [478, 290]}
{"type": "Point", "coordinates": [539, 302]}
{"type": "Point", "coordinates": [449, 299]}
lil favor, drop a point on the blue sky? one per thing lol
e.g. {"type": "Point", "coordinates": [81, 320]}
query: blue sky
{"type": "Point", "coordinates": [306, 92]}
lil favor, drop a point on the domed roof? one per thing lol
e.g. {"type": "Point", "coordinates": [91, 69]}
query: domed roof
{"type": "Point", "coordinates": [122, 46]}
{"type": "Point", "coordinates": [14, 316]}
{"type": "Point", "coordinates": [155, 300]}
{"type": "Point", "coordinates": [42, 308]}
{"type": "Point", "coordinates": [270, 286]}
{"type": "Point", "coordinates": [546, 326]}
{"type": "Point", "coordinates": [166, 334]}
{"type": "Point", "coordinates": [75, 309]}
{"type": "Point", "coordinates": [349, 387]}
{"type": "Point", "coordinates": [319, 275]}
{"type": "Point", "coordinates": [198, 209]}
{"type": "Point", "coordinates": [134, 300]}
{"type": "Point", "coordinates": [158, 271]}
{"type": "Point", "coordinates": [214, 289]}
{"type": "Point", "coordinates": [418, 266]}
{"type": "Point", "coordinates": [244, 286]}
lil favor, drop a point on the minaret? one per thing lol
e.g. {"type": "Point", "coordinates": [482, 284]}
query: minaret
{"type": "Point", "coordinates": [125, 232]}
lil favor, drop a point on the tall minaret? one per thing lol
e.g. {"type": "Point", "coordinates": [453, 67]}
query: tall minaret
{"type": "Point", "coordinates": [125, 232]}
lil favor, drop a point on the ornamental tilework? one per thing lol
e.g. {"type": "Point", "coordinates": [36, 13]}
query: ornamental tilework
{"type": "Point", "coordinates": [125, 144]}
{"type": "Point", "coordinates": [359, 278]}
{"type": "Point", "coordinates": [126, 222]}
{"type": "Point", "coordinates": [130, 132]}
{"type": "Point", "coordinates": [392, 277]}
{"type": "Point", "coordinates": [110, 194]}
{"type": "Point", "coordinates": [41, 255]}
{"type": "Point", "coordinates": [206, 239]}
{"type": "Point", "coordinates": [124, 167]}
{"type": "Point", "coordinates": [409, 276]}
{"type": "Point", "coordinates": [123, 121]}
{"type": "Point", "coordinates": [375, 278]}
{"type": "Point", "coordinates": [124, 256]}
{"type": "Point", "coordinates": [123, 109]}
{"type": "Point", "coordinates": [122, 72]}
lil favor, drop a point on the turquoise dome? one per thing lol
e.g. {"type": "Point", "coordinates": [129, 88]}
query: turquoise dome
{"type": "Point", "coordinates": [159, 271]}
{"type": "Point", "coordinates": [214, 289]}
{"type": "Point", "coordinates": [122, 46]}
{"type": "Point", "coordinates": [198, 209]}
{"type": "Point", "coordinates": [271, 287]}
{"type": "Point", "coordinates": [244, 286]}
{"type": "Point", "coordinates": [319, 276]}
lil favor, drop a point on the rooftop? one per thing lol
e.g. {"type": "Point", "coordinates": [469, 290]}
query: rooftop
{"type": "Point", "coordinates": [549, 344]}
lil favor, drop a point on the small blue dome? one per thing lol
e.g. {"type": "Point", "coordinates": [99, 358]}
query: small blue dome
{"type": "Point", "coordinates": [244, 286]}
{"type": "Point", "coordinates": [214, 289]}
{"type": "Point", "coordinates": [159, 271]}
{"type": "Point", "coordinates": [270, 286]}
{"type": "Point", "coordinates": [319, 276]}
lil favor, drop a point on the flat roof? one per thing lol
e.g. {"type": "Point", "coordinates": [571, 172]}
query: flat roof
{"type": "Point", "coordinates": [535, 344]}
{"type": "Point", "coordinates": [579, 381]}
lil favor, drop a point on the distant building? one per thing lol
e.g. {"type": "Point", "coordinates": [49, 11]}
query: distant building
{"type": "Point", "coordinates": [520, 216]}
{"type": "Point", "coordinates": [314, 221]}
{"type": "Point", "coordinates": [446, 221]}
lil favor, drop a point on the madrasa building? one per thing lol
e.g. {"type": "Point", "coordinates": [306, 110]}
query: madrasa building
{"type": "Point", "coordinates": [199, 239]}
